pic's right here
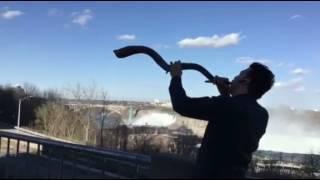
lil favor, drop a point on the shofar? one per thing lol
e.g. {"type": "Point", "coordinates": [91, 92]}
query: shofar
{"type": "Point", "coordinates": [132, 50]}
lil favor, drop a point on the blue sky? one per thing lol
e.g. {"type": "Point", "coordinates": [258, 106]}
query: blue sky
{"type": "Point", "coordinates": [54, 44]}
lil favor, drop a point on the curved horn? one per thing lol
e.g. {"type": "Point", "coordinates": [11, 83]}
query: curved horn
{"type": "Point", "coordinates": [131, 50]}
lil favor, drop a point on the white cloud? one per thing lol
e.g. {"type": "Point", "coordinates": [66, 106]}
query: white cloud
{"type": "Point", "coordinates": [10, 14]}
{"type": "Point", "coordinates": [299, 89]}
{"type": "Point", "coordinates": [300, 71]}
{"type": "Point", "coordinates": [296, 16]}
{"type": "Point", "coordinates": [82, 18]}
{"type": "Point", "coordinates": [214, 41]}
{"type": "Point", "coordinates": [317, 91]}
{"type": "Point", "coordinates": [296, 85]}
{"type": "Point", "coordinates": [289, 84]}
{"type": "Point", "coordinates": [126, 37]}
{"type": "Point", "coordinates": [249, 60]}
{"type": "Point", "coordinates": [54, 12]}
{"type": "Point", "coordinates": [278, 84]}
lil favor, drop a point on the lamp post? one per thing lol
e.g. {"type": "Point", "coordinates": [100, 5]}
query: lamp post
{"type": "Point", "coordinates": [19, 109]}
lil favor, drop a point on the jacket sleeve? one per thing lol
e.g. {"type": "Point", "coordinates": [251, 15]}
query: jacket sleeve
{"type": "Point", "coordinates": [204, 108]}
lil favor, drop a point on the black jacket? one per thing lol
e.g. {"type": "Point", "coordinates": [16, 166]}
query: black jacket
{"type": "Point", "coordinates": [235, 126]}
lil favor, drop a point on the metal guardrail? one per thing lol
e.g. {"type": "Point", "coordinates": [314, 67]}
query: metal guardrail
{"type": "Point", "coordinates": [72, 160]}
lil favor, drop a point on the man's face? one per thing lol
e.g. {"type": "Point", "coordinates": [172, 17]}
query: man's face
{"type": "Point", "coordinates": [240, 80]}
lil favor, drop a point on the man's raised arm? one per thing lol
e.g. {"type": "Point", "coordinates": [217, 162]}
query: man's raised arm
{"type": "Point", "coordinates": [204, 108]}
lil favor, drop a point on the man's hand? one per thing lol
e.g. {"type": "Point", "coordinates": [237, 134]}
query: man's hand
{"type": "Point", "coordinates": [223, 85]}
{"type": "Point", "coordinates": [175, 69]}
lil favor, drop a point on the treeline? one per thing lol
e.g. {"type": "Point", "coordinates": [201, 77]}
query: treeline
{"type": "Point", "coordinates": [9, 102]}
{"type": "Point", "coordinates": [46, 110]}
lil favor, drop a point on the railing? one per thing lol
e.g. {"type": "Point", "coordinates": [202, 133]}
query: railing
{"type": "Point", "coordinates": [26, 156]}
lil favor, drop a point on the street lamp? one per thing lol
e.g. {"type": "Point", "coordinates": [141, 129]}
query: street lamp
{"type": "Point", "coordinates": [20, 100]}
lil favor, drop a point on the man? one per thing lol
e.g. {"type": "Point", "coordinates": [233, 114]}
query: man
{"type": "Point", "coordinates": [236, 121]}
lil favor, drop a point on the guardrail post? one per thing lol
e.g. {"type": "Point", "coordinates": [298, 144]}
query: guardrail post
{"type": "Point", "coordinates": [137, 168]}
{"type": "Point", "coordinates": [38, 159]}
{"type": "Point", "coordinates": [49, 156]}
{"type": "Point", "coordinates": [61, 165]}
{"type": "Point", "coordinates": [38, 150]}
{"type": "Point", "coordinates": [102, 167]}
{"type": "Point", "coordinates": [18, 147]}
{"type": "Point", "coordinates": [73, 163]}
{"type": "Point", "coordinates": [28, 147]}
{"type": "Point", "coordinates": [8, 146]}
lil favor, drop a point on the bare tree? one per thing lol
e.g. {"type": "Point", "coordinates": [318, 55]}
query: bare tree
{"type": "Point", "coordinates": [31, 89]}
{"type": "Point", "coordinates": [51, 95]}
{"type": "Point", "coordinates": [103, 115]}
{"type": "Point", "coordinates": [72, 121]}
{"type": "Point", "coordinates": [86, 98]}
{"type": "Point", "coordinates": [90, 95]}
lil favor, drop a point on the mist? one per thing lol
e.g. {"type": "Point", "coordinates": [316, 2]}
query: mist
{"type": "Point", "coordinates": [155, 119]}
{"type": "Point", "coordinates": [291, 130]}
